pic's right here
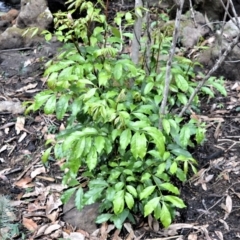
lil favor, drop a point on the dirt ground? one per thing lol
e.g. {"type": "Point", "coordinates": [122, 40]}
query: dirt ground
{"type": "Point", "coordinates": [212, 196]}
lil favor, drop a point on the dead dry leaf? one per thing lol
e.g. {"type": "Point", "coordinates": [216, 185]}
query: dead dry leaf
{"type": "Point", "coordinates": [225, 224]}
{"type": "Point", "coordinates": [29, 86]}
{"type": "Point", "coordinates": [22, 137]}
{"type": "Point", "coordinates": [38, 171]}
{"type": "Point", "coordinates": [53, 216]}
{"type": "Point", "coordinates": [217, 130]}
{"type": "Point", "coordinates": [73, 236]}
{"type": "Point", "coordinates": [228, 206]}
{"type": "Point", "coordinates": [220, 235]}
{"type": "Point", "coordinates": [51, 137]}
{"type": "Point", "coordinates": [131, 235]}
{"type": "Point", "coordinates": [116, 235]}
{"type": "Point", "coordinates": [62, 127]}
{"type": "Point", "coordinates": [53, 203]}
{"type": "Point", "coordinates": [52, 228]}
{"type": "Point", "coordinates": [103, 231]}
{"type": "Point", "coordinates": [29, 224]}
{"type": "Point", "coordinates": [208, 178]}
{"type": "Point", "coordinates": [3, 148]}
{"type": "Point", "coordinates": [156, 225]}
{"type": "Point", "coordinates": [192, 236]}
{"type": "Point", "coordinates": [29, 62]}
{"type": "Point", "coordinates": [56, 234]}
{"type": "Point", "coordinates": [41, 230]}
{"type": "Point", "coordinates": [235, 86]}
{"type": "Point", "coordinates": [49, 179]}
{"type": "Point", "coordinates": [4, 178]}
{"type": "Point", "coordinates": [19, 126]}
{"type": "Point", "coordinates": [23, 182]}
{"type": "Point", "coordinates": [174, 228]}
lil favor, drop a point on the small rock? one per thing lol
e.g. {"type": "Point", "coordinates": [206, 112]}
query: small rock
{"type": "Point", "coordinates": [34, 13]}
{"type": "Point", "coordinates": [4, 25]}
{"type": "Point", "coordinates": [10, 16]}
{"type": "Point", "coordinates": [84, 219]}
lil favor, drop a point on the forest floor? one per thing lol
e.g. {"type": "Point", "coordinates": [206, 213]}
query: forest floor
{"type": "Point", "coordinates": [212, 196]}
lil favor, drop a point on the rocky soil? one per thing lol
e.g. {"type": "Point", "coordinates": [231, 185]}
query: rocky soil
{"type": "Point", "coordinates": [212, 196]}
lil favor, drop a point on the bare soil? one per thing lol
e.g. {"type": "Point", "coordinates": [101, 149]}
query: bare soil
{"type": "Point", "coordinates": [212, 196]}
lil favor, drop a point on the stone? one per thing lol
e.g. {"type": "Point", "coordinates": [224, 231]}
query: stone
{"type": "Point", "coordinates": [11, 38]}
{"type": "Point", "coordinates": [10, 16]}
{"type": "Point", "coordinates": [84, 219]}
{"type": "Point", "coordinates": [12, 61]}
{"type": "Point", "coordinates": [34, 13]}
{"type": "Point", "coordinates": [4, 25]}
{"type": "Point", "coordinates": [14, 37]}
{"type": "Point", "coordinates": [189, 33]}
{"type": "Point", "coordinates": [230, 68]}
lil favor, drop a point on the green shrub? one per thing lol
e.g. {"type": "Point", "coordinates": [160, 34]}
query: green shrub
{"type": "Point", "coordinates": [111, 108]}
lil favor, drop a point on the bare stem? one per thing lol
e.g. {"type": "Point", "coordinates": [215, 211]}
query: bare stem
{"type": "Point", "coordinates": [162, 109]}
{"type": "Point", "coordinates": [209, 74]}
{"type": "Point", "coordinates": [218, 62]}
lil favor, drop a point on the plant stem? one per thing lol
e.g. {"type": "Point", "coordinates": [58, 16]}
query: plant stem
{"type": "Point", "coordinates": [212, 70]}
{"type": "Point", "coordinates": [162, 109]}
{"type": "Point", "coordinates": [217, 63]}
{"type": "Point", "coordinates": [137, 33]}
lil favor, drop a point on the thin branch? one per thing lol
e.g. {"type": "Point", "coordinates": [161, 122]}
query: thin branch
{"type": "Point", "coordinates": [192, 13]}
{"type": "Point", "coordinates": [148, 41]}
{"type": "Point", "coordinates": [209, 74]}
{"type": "Point", "coordinates": [218, 62]}
{"type": "Point", "coordinates": [137, 32]}
{"type": "Point", "coordinates": [162, 109]}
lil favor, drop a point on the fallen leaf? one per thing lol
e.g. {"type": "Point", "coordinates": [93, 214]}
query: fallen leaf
{"type": "Point", "coordinates": [62, 127]}
{"type": "Point", "coordinates": [228, 206]}
{"type": "Point", "coordinates": [28, 62]}
{"type": "Point", "coordinates": [4, 178]}
{"type": "Point", "coordinates": [156, 226]}
{"type": "Point", "coordinates": [225, 224]}
{"type": "Point", "coordinates": [208, 178]}
{"type": "Point", "coordinates": [56, 234]}
{"type": "Point", "coordinates": [22, 137]}
{"type": "Point", "coordinates": [131, 235]}
{"type": "Point", "coordinates": [49, 179]}
{"type": "Point", "coordinates": [51, 228]}
{"type": "Point", "coordinates": [103, 231]}
{"type": "Point", "coordinates": [73, 236]}
{"type": "Point", "coordinates": [3, 148]}
{"type": "Point", "coordinates": [23, 182]}
{"type": "Point", "coordinates": [53, 203]}
{"type": "Point", "coordinates": [192, 236]}
{"type": "Point", "coordinates": [235, 86]}
{"type": "Point", "coordinates": [38, 171]}
{"type": "Point", "coordinates": [29, 224]}
{"type": "Point", "coordinates": [204, 186]}
{"type": "Point", "coordinates": [19, 126]}
{"type": "Point", "coordinates": [25, 88]}
{"type": "Point", "coordinates": [6, 130]}
{"type": "Point", "coordinates": [219, 234]}
{"type": "Point", "coordinates": [41, 230]}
